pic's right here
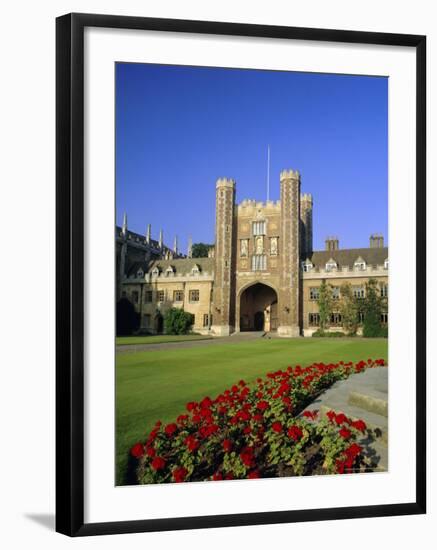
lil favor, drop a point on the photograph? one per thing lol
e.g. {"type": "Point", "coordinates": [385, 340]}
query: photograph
{"type": "Point", "coordinates": [252, 274]}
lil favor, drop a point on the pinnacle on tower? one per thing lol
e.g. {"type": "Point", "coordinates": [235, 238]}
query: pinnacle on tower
{"type": "Point", "coordinates": [161, 238]}
{"type": "Point", "coordinates": [124, 228]}
{"type": "Point", "coordinates": [190, 248]}
{"type": "Point", "coordinates": [175, 245]}
{"type": "Point", "coordinates": [148, 233]}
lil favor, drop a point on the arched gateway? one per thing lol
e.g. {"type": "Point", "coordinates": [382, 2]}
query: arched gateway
{"type": "Point", "coordinates": [258, 308]}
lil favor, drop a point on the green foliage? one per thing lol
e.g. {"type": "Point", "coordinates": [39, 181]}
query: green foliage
{"type": "Point", "coordinates": [325, 305]}
{"type": "Point", "coordinates": [324, 334]}
{"type": "Point", "coordinates": [200, 250]}
{"type": "Point", "coordinates": [178, 321]}
{"type": "Point", "coordinates": [128, 320]}
{"type": "Point", "coordinates": [372, 308]}
{"type": "Point", "coordinates": [349, 309]}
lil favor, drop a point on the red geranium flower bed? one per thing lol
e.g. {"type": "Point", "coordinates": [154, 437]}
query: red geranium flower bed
{"type": "Point", "coordinates": [254, 430]}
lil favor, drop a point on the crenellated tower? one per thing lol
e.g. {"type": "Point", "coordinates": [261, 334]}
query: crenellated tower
{"type": "Point", "coordinates": [306, 225]}
{"type": "Point", "coordinates": [223, 296]}
{"type": "Point", "coordinates": [288, 299]}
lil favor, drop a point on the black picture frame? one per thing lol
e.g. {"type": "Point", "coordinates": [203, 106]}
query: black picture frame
{"type": "Point", "coordinates": [70, 273]}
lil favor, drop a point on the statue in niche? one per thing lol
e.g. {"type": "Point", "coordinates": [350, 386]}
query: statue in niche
{"type": "Point", "coordinates": [274, 246]}
{"type": "Point", "coordinates": [243, 248]}
{"type": "Point", "coordinates": [259, 245]}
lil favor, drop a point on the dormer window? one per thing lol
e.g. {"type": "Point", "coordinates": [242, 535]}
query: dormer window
{"type": "Point", "coordinates": [155, 271]}
{"type": "Point", "coordinates": [195, 270]}
{"type": "Point", "coordinates": [386, 263]}
{"type": "Point", "coordinates": [360, 264]}
{"type": "Point", "coordinates": [169, 272]}
{"type": "Point", "coordinates": [331, 265]}
{"type": "Point", "coordinates": [140, 273]}
{"type": "Point", "coordinates": [307, 266]}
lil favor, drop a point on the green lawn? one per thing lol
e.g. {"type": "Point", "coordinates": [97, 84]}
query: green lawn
{"type": "Point", "coordinates": [156, 385]}
{"type": "Point", "coordinates": [160, 339]}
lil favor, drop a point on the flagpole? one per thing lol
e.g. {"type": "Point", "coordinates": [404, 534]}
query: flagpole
{"type": "Point", "coordinates": [268, 172]}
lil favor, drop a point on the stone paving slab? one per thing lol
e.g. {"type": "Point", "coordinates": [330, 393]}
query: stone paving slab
{"type": "Point", "coordinates": [369, 385]}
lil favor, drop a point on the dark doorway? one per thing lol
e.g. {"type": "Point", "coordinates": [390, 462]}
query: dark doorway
{"type": "Point", "coordinates": [159, 324]}
{"type": "Point", "coordinates": [259, 320]}
{"type": "Point", "coordinates": [259, 308]}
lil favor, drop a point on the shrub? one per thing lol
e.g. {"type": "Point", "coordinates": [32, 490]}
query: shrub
{"type": "Point", "coordinates": [128, 320]}
{"type": "Point", "coordinates": [325, 304]}
{"type": "Point", "coordinates": [349, 310]}
{"type": "Point", "coordinates": [322, 334]}
{"type": "Point", "coordinates": [252, 431]}
{"type": "Point", "coordinates": [372, 307]}
{"type": "Point", "coordinates": [178, 321]}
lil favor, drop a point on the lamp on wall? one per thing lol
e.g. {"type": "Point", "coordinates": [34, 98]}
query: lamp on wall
{"type": "Point", "coordinates": [287, 309]}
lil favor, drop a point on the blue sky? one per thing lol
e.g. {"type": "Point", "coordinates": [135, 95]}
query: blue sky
{"type": "Point", "coordinates": [180, 128]}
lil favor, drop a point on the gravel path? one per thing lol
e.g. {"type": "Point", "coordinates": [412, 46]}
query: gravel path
{"type": "Point", "coordinates": [234, 339]}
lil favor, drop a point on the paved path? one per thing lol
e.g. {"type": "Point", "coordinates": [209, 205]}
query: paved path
{"type": "Point", "coordinates": [363, 396]}
{"type": "Point", "coordinates": [233, 339]}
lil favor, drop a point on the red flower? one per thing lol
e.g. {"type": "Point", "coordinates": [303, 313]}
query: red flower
{"type": "Point", "coordinates": [150, 451]}
{"type": "Point", "coordinates": [170, 429]}
{"type": "Point", "coordinates": [227, 445]}
{"type": "Point", "coordinates": [295, 432]}
{"type": "Point", "coordinates": [286, 401]}
{"type": "Point", "coordinates": [359, 425]}
{"type": "Point", "coordinates": [341, 418]}
{"type": "Point", "coordinates": [312, 415]}
{"type": "Point", "coordinates": [205, 412]}
{"type": "Point", "coordinates": [277, 427]}
{"type": "Point", "coordinates": [262, 405]}
{"type": "Point", "coordinates": [246, 457]}
{"type": "Point", "coordinates": [353, 450]}
{"type": "Point", "coordinates": [331, 415]}
{"type": "Point", "coordinates": [191, 406]}
{"type": "Point", "coordinates": [205, 403]}
{"type": "Point", "coordinates": [137, 450]}
{"type": "Point", "coordinates": [179, 474]}
{"type": "Point", "coordinates": [182, 418]}
{"type": "Point", "coordinates": [247, 430]}
{"type": "Point", "coordinates": [192, 443]}
{"type": "Point", "coordinates": [258, 417]}
{"type": "Point", "coordinates": [217, 476]}
{"type": "Point", "coordinates": [229, 476]}
{"type": "Point", "coordinates": [254, 474]}
{"type": "Point", "coordinates": [158, 463]}
{"type": "Point", "coordinates": [345, 433]}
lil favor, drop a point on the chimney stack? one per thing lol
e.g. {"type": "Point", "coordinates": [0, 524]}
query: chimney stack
{"type": "Point", "coordinates": [376, 241]}
{"type": "Point", "coordinates": [331, 243]}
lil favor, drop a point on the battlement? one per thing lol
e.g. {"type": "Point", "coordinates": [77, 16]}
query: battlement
{"type": "Point", "coordinates": [248, 204]}
{"type": "Point", "coordinates": [306, 197]}
{"type": "Point", "coordinates": [225, 182]}
{"type": "Point", "coordinates": [289, 174]}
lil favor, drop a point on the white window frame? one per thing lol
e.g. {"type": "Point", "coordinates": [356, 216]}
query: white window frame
{"type": "Point", "coordinates": [259, 262]}
{"type": "Point", "coordinates": [259, 228]}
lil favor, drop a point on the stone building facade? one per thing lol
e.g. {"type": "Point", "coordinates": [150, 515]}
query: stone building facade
{"type": "Point", "coordinates": [261, 274]}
